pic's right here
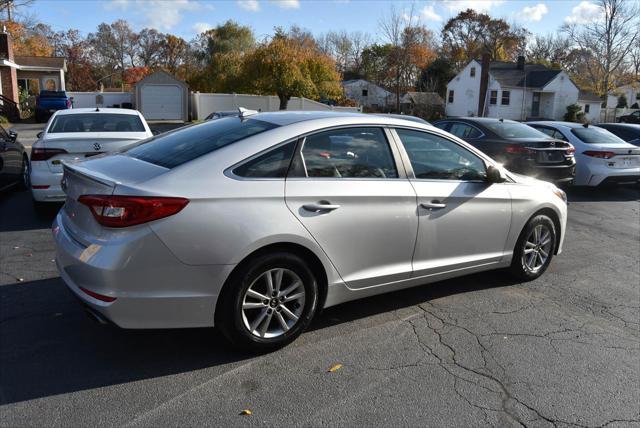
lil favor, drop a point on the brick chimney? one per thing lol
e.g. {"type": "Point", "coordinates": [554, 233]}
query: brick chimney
{"type": "Point", "coordinates": [520, 65]}
{"type": "Point", "coordinates": [484, 83]}
{"type": "Point", "coordinates": [8, 74]}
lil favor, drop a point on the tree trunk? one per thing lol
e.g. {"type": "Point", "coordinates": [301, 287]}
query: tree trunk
{"type": "Point", "coordinates": [284, 100]}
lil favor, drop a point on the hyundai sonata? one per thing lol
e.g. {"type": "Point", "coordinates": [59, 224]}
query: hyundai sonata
{"type": "Point", "coordinates": [254, 223]}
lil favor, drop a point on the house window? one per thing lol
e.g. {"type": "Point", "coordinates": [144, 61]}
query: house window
{"type": "Point", "coordinates": [472, 73]}
{"type": "Point", "coordinates": [451, 96]}
{"type": "Point", "coordinates": [365, 92]}
{"type": "Point", "coordinates": [32, 86]}
{"type": "Point", "coordinates": [586, 108]}
{"type": "Point", "coordinates": [506, 95]}
{"type": "Point", "coordinates": [493, 98]}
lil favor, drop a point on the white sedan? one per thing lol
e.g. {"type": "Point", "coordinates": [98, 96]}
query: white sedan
{"type": "Point", "coordinates": [76, 135]}
{"type": "Point", "coordinates": [601, 157]}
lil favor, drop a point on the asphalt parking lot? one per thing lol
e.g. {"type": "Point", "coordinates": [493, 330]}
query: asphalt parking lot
{"type": "Point", "coordinates": [479, 350]}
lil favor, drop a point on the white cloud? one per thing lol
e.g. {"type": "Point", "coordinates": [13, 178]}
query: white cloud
{"type": "Point", "coordinates": [410, 18]}
{"type": "Point", "coordinates": [250, 5]}
{"type": "Point", "coordinates": [287, 4]}
{"type": "Point", "coordinates": [117, 5]}
{"type": "Point", "coordinates": [534, 13]}
{"type": "Point", "coordinates": [455, 6]}
{"type": "Point", "coordinates": [584, 13]}
{"type": "Point", "coordinates": [200, 27]}
{"type": "Point", "coordinates": [164, 15]}
{"type": "Point", "coordinates": [429, 14]}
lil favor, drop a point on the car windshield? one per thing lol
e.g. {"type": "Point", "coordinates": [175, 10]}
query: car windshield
{"type": "Point", "coordinates": [96, 122]}
{"type": "Point", "coordinates": [175, 148]}
{"type": "Point", "coordinates": [592, 135]}
{"type": "Point", "coordinates": [514, 130]}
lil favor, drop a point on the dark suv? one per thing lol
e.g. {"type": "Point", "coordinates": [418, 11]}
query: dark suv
{"type": "Point", "coordinates": [519, 147]}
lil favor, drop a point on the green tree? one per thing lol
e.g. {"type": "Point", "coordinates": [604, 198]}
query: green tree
{"type": "Point", "coordinates": [436, 76]}
{"type": "Point", "coordinates": [622, 101]}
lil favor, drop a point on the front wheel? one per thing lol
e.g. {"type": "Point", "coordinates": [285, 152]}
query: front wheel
{"type": "Point", "coordinates": [25, 175]}
{"type": "Point", "coordinates": [268, 302]}
{"type": "Point", "coordinates": [534, 249]}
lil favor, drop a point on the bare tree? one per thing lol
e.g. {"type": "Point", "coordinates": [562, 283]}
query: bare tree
{"type": "Point", "coordinates": [149, 44]}
{"type": "Point", "coordinates": [392, 26]}
{"type": "Point", "coordinates": [607, 41]}
{"type": "Point", "coordinates": [8, 6]}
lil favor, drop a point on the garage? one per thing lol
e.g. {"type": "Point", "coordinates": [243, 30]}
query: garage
{"type": "Point", "coordinates": [162, 97]}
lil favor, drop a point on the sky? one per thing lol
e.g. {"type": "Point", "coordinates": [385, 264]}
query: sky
{"type": "Point", "coordinates": [187, 18]}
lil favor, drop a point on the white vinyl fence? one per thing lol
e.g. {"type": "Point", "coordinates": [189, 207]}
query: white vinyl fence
{"type": "Point", "coordinates": [109, 99]}
{"type": "Point", "coordinates": [203, 104]}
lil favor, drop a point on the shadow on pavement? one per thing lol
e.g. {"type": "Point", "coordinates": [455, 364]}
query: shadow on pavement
{"type": "Point", "coordinates": [49, 346]}
{"type": "Point", "coordinates": [604, 194]}
{"type": "Point", "coordinates": [17, 212]}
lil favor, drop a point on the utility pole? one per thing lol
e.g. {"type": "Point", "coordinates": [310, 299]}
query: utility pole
{"type": "Point", "coordinates": [9, 7]}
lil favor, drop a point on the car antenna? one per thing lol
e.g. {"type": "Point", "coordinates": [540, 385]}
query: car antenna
{"type": "Point", "coordinates": [501, 119]}
{"type": "Point", "coordinates": [245, 112]}
{"type": "Point", "coordinates": [97, 108]}
{"type": "Point", "coordinates": [586, 124]}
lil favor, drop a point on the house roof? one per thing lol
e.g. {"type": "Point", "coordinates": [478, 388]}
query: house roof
{"type": "Point", "coordinates": [533, 75]}
{"type": "Point", "coordinates": [40, 61]}
{"type": "Point", "coordinates": [588, 96]}
{"type": "Point", "coordinates": [425, 98]}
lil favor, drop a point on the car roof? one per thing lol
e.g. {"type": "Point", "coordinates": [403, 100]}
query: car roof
{"type": "Point", "coordinates": [98, 111]}
{"type": "Point", "coordinates": [284, 118]}
{"type": "Point", "coordinates": [480, 119]}
{"type": "Point", "coordinates": [558, 123]}
{"type": "Point", "coordinates": [621, 125]}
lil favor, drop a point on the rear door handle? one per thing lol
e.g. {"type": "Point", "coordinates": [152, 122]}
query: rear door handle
{"type": "Point", "coordinates": [433, 205]}
{"type": "Point", "coordinates": [320, 206]}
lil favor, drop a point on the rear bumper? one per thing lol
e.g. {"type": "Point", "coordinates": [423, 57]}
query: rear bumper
{"type": "Point", "coordinates": [44, 177]}
{"type": "Point", "coordinates": [152, 289]}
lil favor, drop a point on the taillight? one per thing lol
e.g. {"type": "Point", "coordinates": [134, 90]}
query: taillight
{"type": "Point", "coordinates": [600, 155]}
{"type": "Point", "coordinates": [40, 154]}
{"type": "Point", "coordinates": [571, 150]}
{"type": "Point", "coordinates": [68, 103]}
{"type": "Point", "coordinates": [100, 297]}
{"type": "Point", "coordinates": [123, 211]}
{"type": "Point", "coordinates": [518, 150]}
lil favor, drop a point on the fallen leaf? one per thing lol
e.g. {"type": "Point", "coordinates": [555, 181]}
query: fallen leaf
{"type": "Point", "coordinates": [335, 368]}
{"type": "Point", "coordinates": [246, 412]}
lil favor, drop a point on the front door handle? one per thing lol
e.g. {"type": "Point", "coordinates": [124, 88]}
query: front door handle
{"type": "Point", "coordinates": [433, 205]}
{"type": "Point", "coordinates": [320, 206]}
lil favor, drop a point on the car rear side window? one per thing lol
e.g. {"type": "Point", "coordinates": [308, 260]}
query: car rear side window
{"type": "Point", "coordinates": [183, 145]}
{"type": "Point", "coordinates": [593, 135]}
{"type": "Point", "coordinates": [347, 153]}
{"type": "Point", "coordinates": [96, 122]}
{"type": "Point", "coordinates": [272, 164]}
{"type": "Point", "coordinates": [463, 130]}
{"type": "Point", "coordinates": [436, 158]}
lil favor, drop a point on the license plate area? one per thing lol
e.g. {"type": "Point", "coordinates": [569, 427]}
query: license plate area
{"type": "Point", "coordinates": [624, 162]}
{"type": "Point", "coordinates": [551, 156]}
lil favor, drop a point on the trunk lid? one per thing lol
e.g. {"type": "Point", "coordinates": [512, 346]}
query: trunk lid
{"type": "Point", "coordinates": [547, 151]}
{"type": "Point", "coordinates": [98, 176]}
{"type": "Point", "coordinates": [80, 146]}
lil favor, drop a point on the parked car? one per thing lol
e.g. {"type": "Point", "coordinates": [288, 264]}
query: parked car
{"type": "Point", "coordinates": [77, 134]}
{"type": "Point", "coordinates": [14, 163]}
{"type": "Point", "coordinates": [602, 158]}
{"type": "Point", "coordinates": [196, 227]}
{"type": "Point", "coordinates": [630, 118]}
{"type": "Point", "coordinates": [221, 114]}
{"type": "Point", "coordinates": [48, 102]}
{"type": "Point", "coordinates": [405, 117]}
{"type": "Point", "coordinates": [518, 147]}
{"type": "Point", "coordinates": [629, 132]}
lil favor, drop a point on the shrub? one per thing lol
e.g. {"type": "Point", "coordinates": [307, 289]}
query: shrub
{"type": "Point", "coordinates": [622, 101]}
{"type": "Point", "coordinates": [3, 120]}
{"type": "Point", "coordinates": [574, 114]}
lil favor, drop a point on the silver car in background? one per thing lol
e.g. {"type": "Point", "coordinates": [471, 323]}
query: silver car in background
{"type": "Point", "coordinates": [254, 223]}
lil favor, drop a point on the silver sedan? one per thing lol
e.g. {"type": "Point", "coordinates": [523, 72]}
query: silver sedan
{"type": "Point", "coordinates": [253, 223]}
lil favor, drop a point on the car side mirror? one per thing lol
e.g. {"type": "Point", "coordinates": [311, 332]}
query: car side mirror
{"type": "Point", "coordinates": [13, 135]}
{"type": "Point", "coordinates": [494, 175]}
{"type": "Point", "coordinates": [40, 134]}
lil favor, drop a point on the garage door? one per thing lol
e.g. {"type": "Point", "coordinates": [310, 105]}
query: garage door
{"type": "Point", "coordinates": [161, 102]}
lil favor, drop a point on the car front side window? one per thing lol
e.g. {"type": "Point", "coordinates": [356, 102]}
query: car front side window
{"type": "Point", "coordinates": [346, 153]}
{"type": "Point", "coordinates": [436, 158]}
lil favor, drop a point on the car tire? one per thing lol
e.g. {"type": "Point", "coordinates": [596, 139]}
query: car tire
{"type": "Point", "coordinates": [256, 323]}
{"type": "Point", "coordinates": [25, 175]}
{"type": "Point", "coordinates": [534, 249]}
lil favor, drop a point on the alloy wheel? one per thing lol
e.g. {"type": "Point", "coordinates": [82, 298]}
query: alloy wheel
{"type": "Point", "coordinates": [537, 248]}
{"type": "Point", "coordinates": [26, 174]}
{"type": "Point", "coordinates": [273, 303]}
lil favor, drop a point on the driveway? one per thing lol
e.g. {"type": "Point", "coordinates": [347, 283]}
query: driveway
{"type": "Point", "coordinates": [480, 350]}
{"type": "Point", "coordinates": [27, 132]}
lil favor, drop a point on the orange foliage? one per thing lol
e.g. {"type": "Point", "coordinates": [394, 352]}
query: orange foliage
{"type": "Point", "coordinates": [26, 44]}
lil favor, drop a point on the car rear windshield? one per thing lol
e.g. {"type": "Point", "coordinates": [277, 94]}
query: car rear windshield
{"type": "Point", "coordinates": [514, 130]}
{"type": "Point", "coordinates": [183, 145]}
{"type": "Point", "coordinates": [592, 135]}
{"type": "Point", "coordinates": [96, 122]}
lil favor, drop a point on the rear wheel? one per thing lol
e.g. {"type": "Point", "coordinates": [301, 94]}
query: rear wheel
{"type": "Point", "coordinates": [25, 175]}
{"type": "Point", "coordinates": [268, 302]}
{"type": "Point", "coordinates": [534, 249]}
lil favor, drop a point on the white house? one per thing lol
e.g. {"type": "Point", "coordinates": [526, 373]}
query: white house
{"type": "Point", "coordinates": [591, 105]}
{"type": "Point", "coordinates": [515, 91]}
{"type": "Point", "coordinates": [631, 91]}
{"type": "Point", "coordinates": [367, 94]}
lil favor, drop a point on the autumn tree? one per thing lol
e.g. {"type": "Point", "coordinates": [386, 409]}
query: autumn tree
{"type": "Point", "coordinates": [149, 46]}
{"type": "Point", "coordinates": [606, 41]}
{"type": "Point", "coordinates": [115, 46]}
{"type": "Point", "coordinates": [288, 68]}
{"type": "Point", "coordinates": [469, 34]}
{"type": "Point", "coordinates": [26, 42]}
